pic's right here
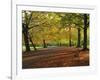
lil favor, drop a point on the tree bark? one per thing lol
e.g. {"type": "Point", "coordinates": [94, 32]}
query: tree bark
{"type": "Point", "coordinates": [70, 44]}
{"type": "Point", "coordinates": [25, 30]}
{"type": "Point", "coordinates": [33, 44]}
{"type": "Point", "coordinates": [44, 44]}
{"type": "Point", "coordinates": [26, 37]}
{"type": "Point", "coordinates": [78, 37]}
{"type": "Point", "coordinates": [85, 32]}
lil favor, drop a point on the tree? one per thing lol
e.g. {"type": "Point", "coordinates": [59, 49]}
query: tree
{"type": "Point", "coordinates": [26, 40]}
{"type": "Point", "coordinates": [27, 16]}
{"type": "Point", "coordinates": [79, 37]}
{"type": "Point", "coordinates": [47, 25]}
{"type": "Point", "coordinates": [78, 18]}
{"type": "Point", "coordinates": [85, 31]}
{"type": "Point", "coordinates": [25, 30]}
{"type": "Point", "coordinates": [82, 22]}
{"type": "Point", "coordinates": [67, 21]}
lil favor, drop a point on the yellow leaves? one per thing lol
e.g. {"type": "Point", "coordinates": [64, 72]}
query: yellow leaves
{"type": "Point", "coordinates": [54, 29]}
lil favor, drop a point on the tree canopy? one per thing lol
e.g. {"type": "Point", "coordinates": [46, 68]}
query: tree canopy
{"type": "Point", "coordinates": [54, 29]}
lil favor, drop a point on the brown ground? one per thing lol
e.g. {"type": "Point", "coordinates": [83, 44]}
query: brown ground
{"type": "Point", "coordinates": [55, 57]}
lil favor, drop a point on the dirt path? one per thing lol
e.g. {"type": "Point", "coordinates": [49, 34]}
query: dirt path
{"type": "Point", "coordinates": [55, 57]}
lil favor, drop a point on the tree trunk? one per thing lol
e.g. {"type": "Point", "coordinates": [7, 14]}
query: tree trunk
{"type": "Point", "coordinates": [25, 29]}
{"type": "Point", "coordinates": [70, 44]}
{"type": "Point", "coordinates": [79, 37]}
{"type": "Point", "coordinates": [44, 44]}
{"type": "Point", "coordinates": [85, 32]}
{"type": "Point", "coordinates": [26, 37]}
{"type": "Point", "coordinates": [33, 44]}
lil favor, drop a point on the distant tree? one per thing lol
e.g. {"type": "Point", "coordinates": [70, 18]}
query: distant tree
{"type": "Point", "coordinates": [67, 21]}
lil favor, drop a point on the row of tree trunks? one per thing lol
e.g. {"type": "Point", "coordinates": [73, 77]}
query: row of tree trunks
{"type": "Point", "coordinates": [70, 44]}
{"type": "Point", "coordinates": [27, 39]}
{"type": "Point", "coordinates": [79, 35]}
